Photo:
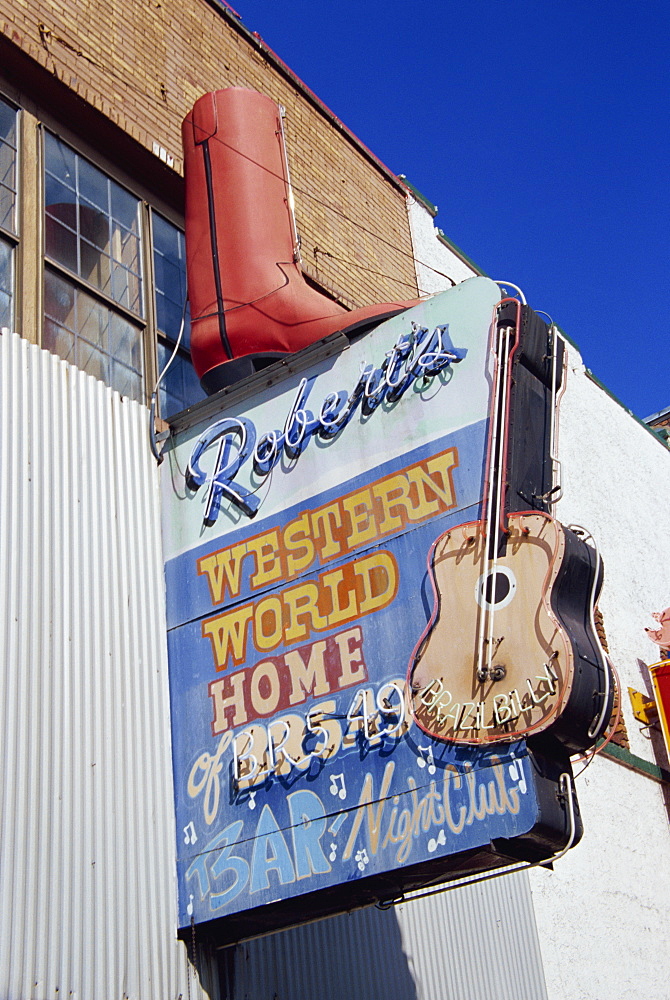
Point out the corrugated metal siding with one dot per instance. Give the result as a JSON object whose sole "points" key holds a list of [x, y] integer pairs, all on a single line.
{"points": [[476, 942], [472, 943], [87, 861]]}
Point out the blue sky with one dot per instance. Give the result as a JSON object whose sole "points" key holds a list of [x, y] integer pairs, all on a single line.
{"points": [[540, 130]]}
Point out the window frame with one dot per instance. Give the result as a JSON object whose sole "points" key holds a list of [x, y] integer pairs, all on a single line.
{"points": [[163, 338], [142, 322], [8, 236], [148, 204], [86, 239]]}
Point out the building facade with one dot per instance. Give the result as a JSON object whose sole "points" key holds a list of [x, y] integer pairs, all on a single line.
{"points": [[92, 295]]}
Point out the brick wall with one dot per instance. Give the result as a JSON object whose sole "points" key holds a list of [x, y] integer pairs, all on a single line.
{"points": [[143, 64]]}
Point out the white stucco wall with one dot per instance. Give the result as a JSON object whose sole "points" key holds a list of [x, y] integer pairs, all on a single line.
{"points": [[616, 478], [438, 267], [601, 914]]}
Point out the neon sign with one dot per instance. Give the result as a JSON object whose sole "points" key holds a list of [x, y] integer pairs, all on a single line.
{"points": [[419, 354], [298, 764]]}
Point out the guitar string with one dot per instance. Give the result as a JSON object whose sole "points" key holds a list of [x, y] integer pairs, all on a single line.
{"points": [[489, 489], [556, 472], [483, 620], [500, 473], [492, 535]]}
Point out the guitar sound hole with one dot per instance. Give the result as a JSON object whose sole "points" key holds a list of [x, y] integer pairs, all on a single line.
{"points": [[495, 588]]}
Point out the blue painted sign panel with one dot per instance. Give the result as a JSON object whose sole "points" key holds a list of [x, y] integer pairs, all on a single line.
{"points": [[297, 529]]}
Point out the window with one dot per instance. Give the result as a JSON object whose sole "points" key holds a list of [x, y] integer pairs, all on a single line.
{"points": [[180, 387], [8, 225], [94, 307]]}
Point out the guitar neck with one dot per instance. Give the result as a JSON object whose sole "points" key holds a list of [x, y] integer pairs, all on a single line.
{"points": [[505, 345], [528, 376], [536, 378]]}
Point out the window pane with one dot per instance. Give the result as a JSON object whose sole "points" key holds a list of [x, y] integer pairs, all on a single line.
{"points": [[168, 318], [93, 186], [58, 194], [61, 161], [7, 166], [170, 271], [59, 319], [93, 226], [90, 335], [59, 299], [180, 387], [127, 247], [92, 320], [93, 361], [8, 123], [125, 287], [58, 340], [124, 344], [124, 207], [127, 381], [6, 284], [104, 219], [7, 185], [60, 241]]}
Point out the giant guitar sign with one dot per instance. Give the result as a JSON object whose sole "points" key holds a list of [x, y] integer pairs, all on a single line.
{"points": [[351, 585], [511, 647]]}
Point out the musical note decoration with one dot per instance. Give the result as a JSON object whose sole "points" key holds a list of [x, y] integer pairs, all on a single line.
{"points": [[361, 858], [516, 774], [429, 762], [436, 842], [338, 786]]}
